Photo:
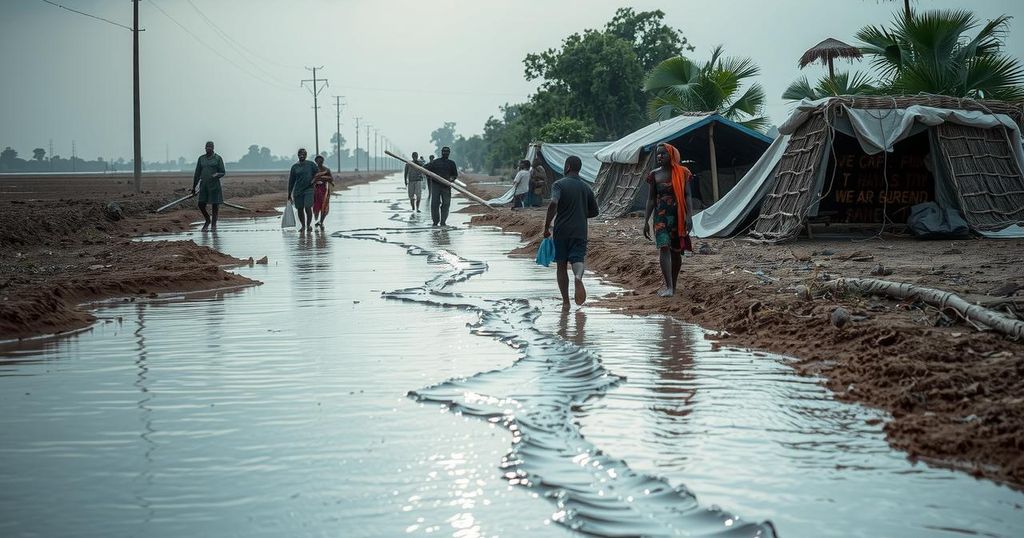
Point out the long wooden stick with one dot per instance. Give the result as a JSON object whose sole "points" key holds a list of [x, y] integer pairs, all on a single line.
{"points": [[443, 181], [942, 300]]}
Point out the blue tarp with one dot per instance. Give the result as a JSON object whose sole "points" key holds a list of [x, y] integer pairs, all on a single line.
{"points": [[627, 149]]}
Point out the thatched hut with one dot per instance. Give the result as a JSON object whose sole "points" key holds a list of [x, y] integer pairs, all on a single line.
{"points": [[868, 160]]}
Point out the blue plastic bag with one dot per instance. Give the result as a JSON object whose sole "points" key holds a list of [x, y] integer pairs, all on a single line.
{"points": [[546, 252]]}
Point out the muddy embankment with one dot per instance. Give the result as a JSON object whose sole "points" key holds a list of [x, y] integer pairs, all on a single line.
{"points": [[60, 245], [956, 393]]}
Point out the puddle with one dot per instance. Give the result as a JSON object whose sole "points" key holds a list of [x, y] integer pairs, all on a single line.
{"points": [[393, 379]]}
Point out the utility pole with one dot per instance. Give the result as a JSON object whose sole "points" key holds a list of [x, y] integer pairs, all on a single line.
{"points": [[135, 100], [51, 155], [315, 89], [367, 147], [357, 142], [73, 169], [337, 145], [376, 140]]}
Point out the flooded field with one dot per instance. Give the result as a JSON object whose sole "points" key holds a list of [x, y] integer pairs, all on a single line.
{"points": [[393, 379]]}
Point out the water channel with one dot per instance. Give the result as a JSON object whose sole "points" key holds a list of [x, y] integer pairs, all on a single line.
{"points": [[390, 379]]}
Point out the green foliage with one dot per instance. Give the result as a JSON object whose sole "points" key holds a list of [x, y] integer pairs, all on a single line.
{"points": [[844, 83], [470, 152], [39, 154], [678, 85], [933, 52], [652, 40], [566, 130], [443, 136]]}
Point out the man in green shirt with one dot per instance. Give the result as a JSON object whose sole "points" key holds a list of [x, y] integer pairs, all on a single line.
{"points": [[209, 170], [300, 190]]}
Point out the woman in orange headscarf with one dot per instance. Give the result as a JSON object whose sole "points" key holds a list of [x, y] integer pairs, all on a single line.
{"points": [[667, 203]]}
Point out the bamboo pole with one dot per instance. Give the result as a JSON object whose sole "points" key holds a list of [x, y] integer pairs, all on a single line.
{"points": [[1012, 328], [714, 161], [443, 181]]}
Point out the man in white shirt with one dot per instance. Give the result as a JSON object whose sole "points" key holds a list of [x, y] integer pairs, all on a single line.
{"points": [[521, 183]]}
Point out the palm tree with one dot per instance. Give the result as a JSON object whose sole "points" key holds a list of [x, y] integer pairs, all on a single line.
{"points": [[931, 52], [843, 83], [680, 85]]}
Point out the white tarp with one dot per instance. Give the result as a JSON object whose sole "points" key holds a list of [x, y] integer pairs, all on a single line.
{"points": [[555, 155], [875, 129], [731, 210], [504, 198], [627, 149]]}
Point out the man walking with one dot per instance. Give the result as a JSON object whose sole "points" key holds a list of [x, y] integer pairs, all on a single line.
{"points": [[572, 203], [209, 170], [300, 190], [521, 185], [414, 182], [441, 195]]}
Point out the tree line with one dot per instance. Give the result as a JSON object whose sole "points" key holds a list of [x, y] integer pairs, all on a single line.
{"points": [[604, 83]]}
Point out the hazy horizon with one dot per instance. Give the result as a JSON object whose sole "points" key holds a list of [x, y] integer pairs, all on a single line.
{"points": [[406, 67]]}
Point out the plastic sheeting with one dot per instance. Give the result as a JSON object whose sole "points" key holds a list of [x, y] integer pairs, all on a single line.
{"points": [[627, 149], [555, 155], [723, 217]]}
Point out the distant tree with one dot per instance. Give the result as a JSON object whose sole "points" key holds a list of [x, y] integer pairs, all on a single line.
{"points": [[652, 40], [566, 131], [443, 136], [8, 154], [39, 154], [679, 85]]}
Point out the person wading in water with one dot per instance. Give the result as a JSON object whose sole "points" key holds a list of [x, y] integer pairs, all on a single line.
{"points": [[668, 186], [414, 183], [322, 183], [209, 170], [300, 190], [441, 195], [572, 203]]}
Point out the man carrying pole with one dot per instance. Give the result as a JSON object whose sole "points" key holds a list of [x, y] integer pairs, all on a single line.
{"points": [[209, 170], [441, 194]]}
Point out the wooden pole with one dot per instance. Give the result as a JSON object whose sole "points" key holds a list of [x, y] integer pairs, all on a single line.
{"points": [[443, 181], [714, 161], [136, 107]]}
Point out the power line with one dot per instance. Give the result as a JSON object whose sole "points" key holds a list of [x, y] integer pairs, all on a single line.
{"points": [[215, 51], [232, 43], [129, 28], [236, 42]]}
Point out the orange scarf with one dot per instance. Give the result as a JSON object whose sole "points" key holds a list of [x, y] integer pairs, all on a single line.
{"points": [[680, 176]]}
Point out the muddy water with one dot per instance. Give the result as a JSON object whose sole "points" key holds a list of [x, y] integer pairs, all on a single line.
{"points": [[390, 379]]}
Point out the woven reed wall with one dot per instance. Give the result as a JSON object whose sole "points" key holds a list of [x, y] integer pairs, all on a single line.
{"points": [[988, 180]]}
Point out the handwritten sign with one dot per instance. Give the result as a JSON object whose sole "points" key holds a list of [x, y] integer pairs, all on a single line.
{"points": [[866, 187]]}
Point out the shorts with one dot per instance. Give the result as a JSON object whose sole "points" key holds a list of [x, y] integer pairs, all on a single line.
{"points": [[303, 200], [570, 249], [415, 187]]}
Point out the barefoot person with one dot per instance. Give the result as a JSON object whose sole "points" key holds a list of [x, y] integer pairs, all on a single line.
{"points": [[300, 190], [667, 203], [521, 185], [441, 195], [209, 170], [322, 183], [572, 203], [414, 183]]}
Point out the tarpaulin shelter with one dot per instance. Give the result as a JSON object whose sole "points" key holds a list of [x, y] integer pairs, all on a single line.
{"points": [[721, 151], [867, 160], [554, 156]]}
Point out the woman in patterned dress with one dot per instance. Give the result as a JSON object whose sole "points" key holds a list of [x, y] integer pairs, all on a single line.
{"points": [[322, 182], [667, 204]]}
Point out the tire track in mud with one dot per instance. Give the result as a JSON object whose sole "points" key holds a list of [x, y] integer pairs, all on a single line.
{"points": [[535, 399]]}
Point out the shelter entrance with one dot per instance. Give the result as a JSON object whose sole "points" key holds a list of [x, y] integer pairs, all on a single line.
{"points": [[858, 188]]}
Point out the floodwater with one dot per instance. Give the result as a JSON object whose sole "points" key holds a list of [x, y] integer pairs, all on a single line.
{"points": [[391, 379]]}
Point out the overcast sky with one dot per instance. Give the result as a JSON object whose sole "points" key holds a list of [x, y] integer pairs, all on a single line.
{"points": [[405, 66]]}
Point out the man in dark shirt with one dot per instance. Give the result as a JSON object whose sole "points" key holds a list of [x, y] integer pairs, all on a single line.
{"points": [[572, 203], [441, 195], [206, 182]]}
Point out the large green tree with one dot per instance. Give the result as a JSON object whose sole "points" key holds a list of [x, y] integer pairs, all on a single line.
{"points": [[566, 131], [679, 85], [844, 83], [935, 52], [443, 136]]}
